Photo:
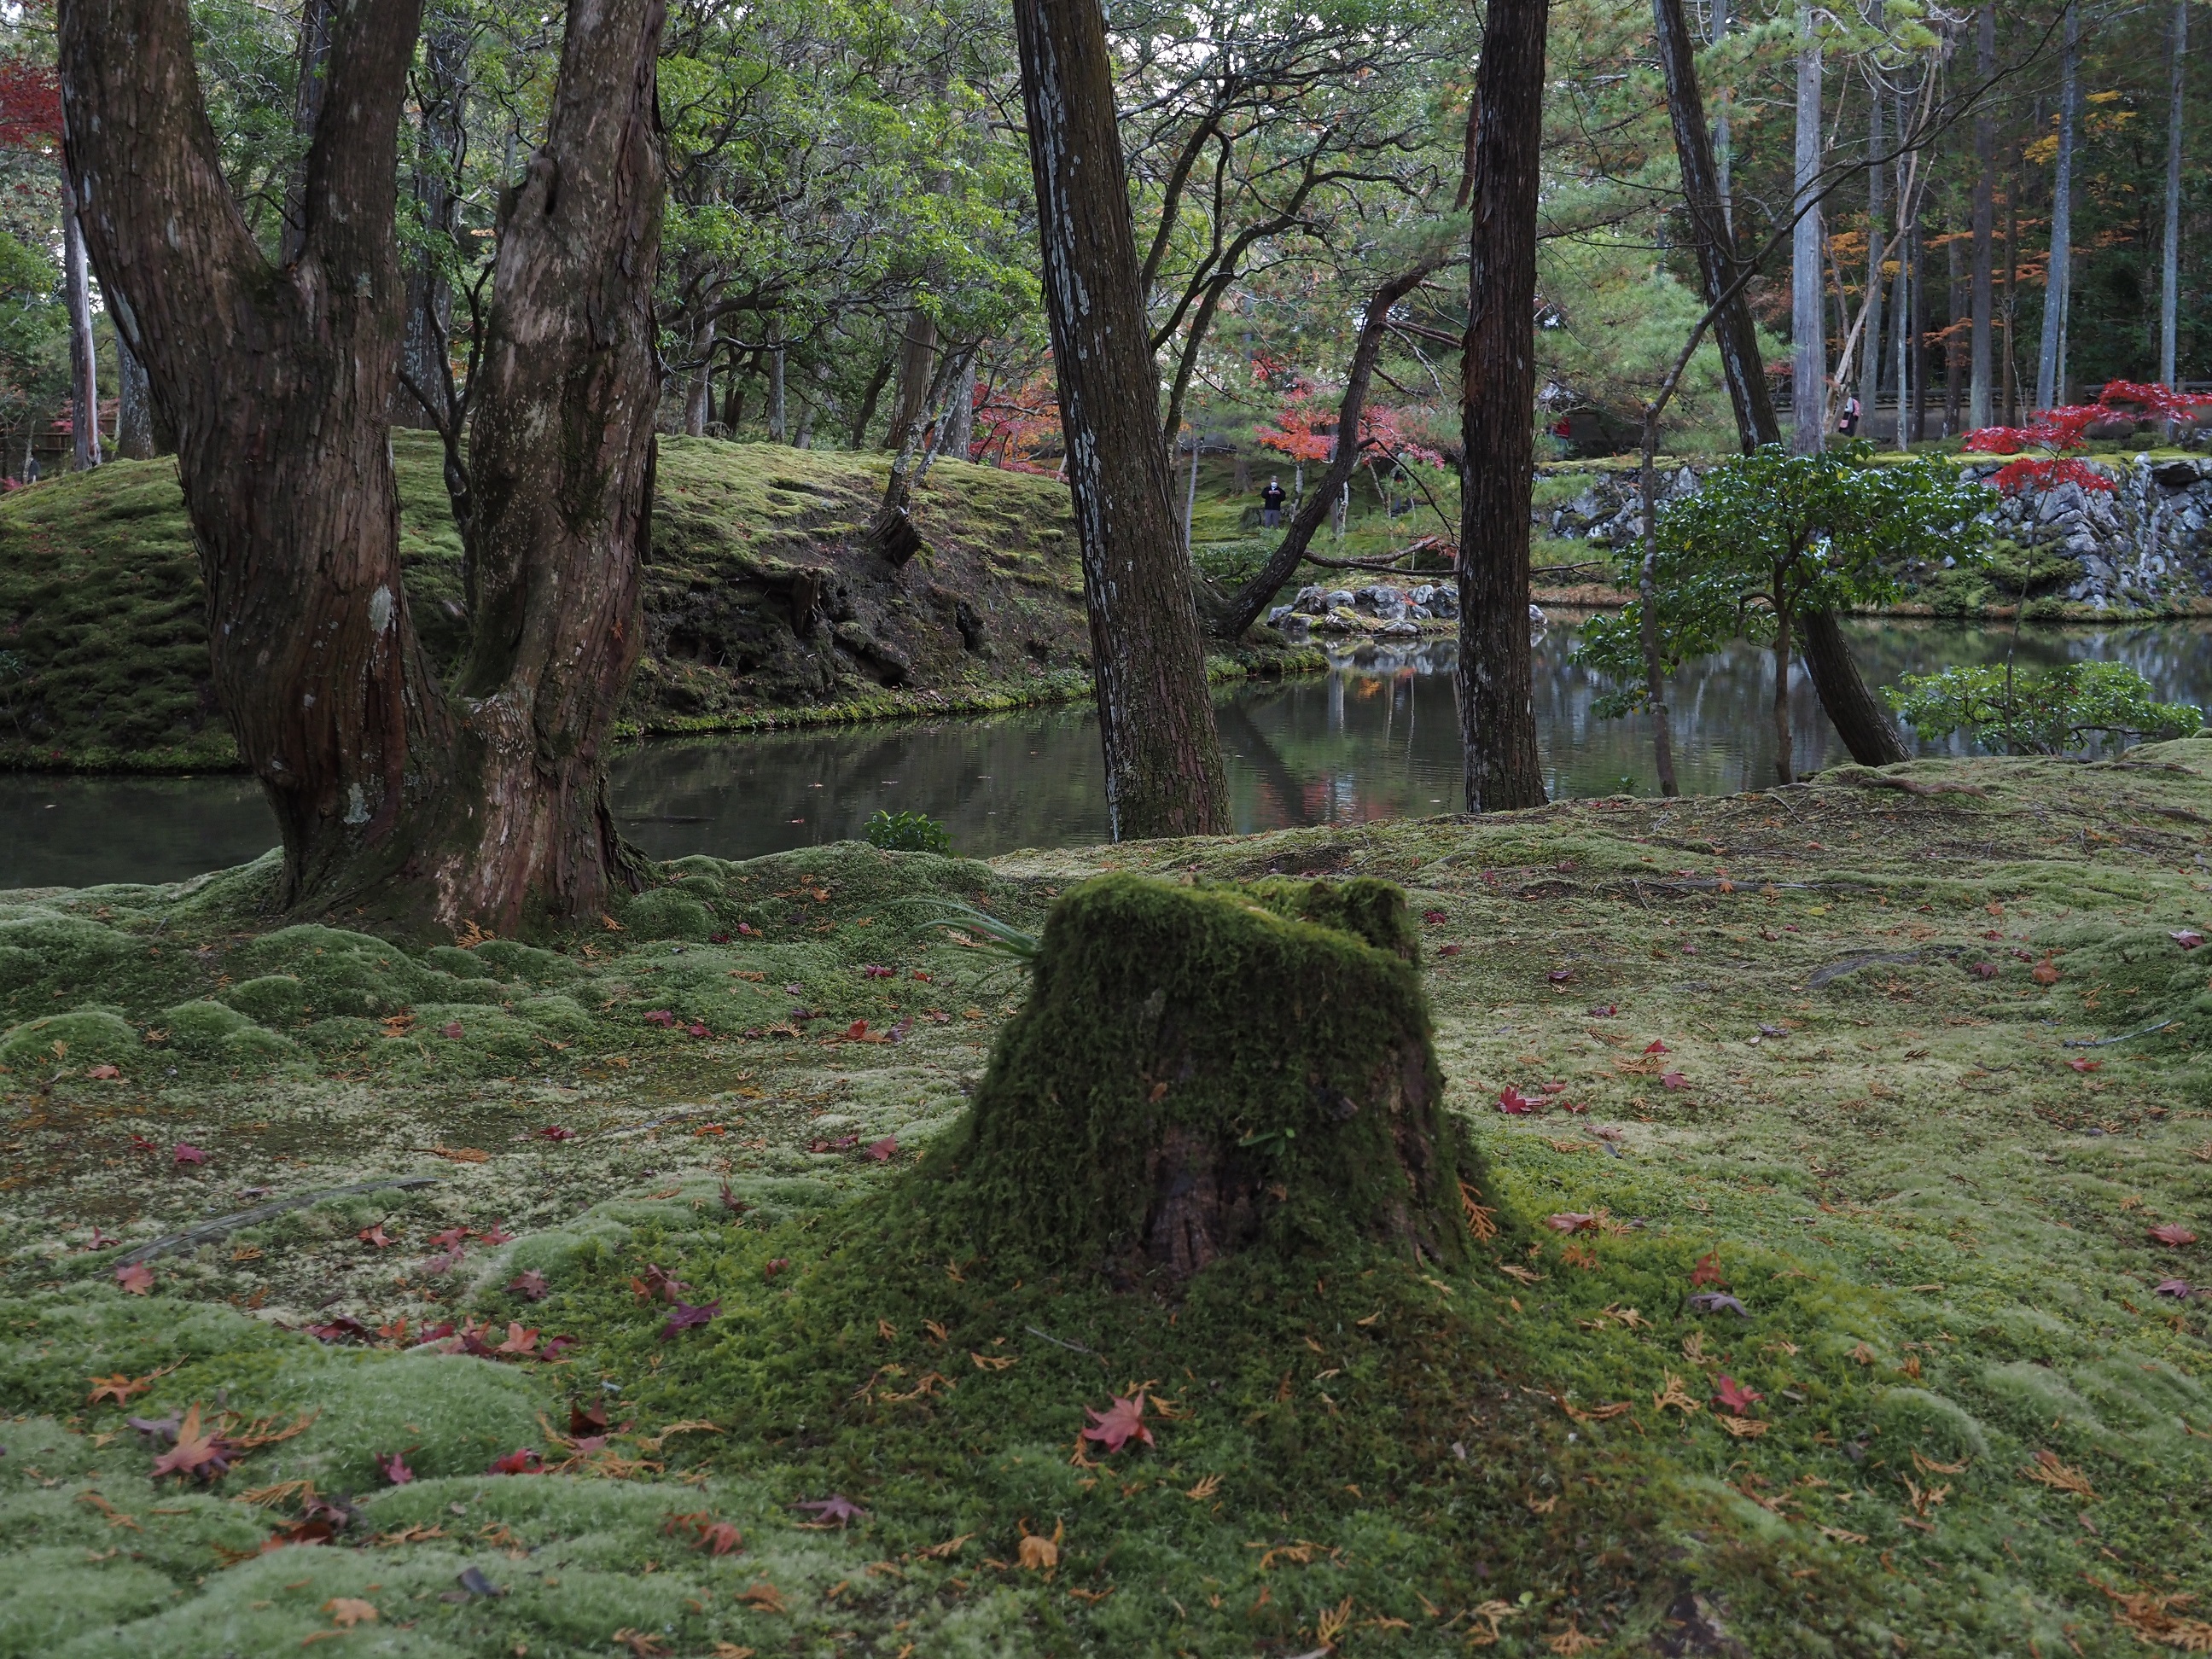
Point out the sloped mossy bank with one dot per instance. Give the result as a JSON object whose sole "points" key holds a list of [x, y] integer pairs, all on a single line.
{"points": [[1979, 1429], [760, 611]]}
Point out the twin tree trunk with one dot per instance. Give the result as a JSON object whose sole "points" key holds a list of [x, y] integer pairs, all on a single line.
{"points": [[1163, 771], [484, 806], [1498, 720]]}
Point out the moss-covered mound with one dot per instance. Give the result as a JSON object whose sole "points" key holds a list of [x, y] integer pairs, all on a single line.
{"points": [[1846, 1297], [1197, 1072], [759, 610]]}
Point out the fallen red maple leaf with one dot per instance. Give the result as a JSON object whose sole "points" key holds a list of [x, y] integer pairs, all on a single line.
{"points": [[774, 1266], [105, 1074], [521, 1461], [136, 1278], [184, 1153], [520, 1342], [2187, 937], [451, 1031], [496, 1234], [661, 1016], [720, 1539], [684, 1316], [698, 1030], [835, 1507], [2177, 1288], [856, 1031], [884, 1150], [1655, 1047], [530, 1285], [2171, 1232], [1673, 1080], [202, 1455], [1432, 917], [2085, 1065], [1707, 1272], [345, 1327], [394, 1468], [1116, 1426], [1732, 1396], [1448, 950], [554, 1131], [1571, 1221], [376, 1235], [1512, 1100], [451, 1238]]}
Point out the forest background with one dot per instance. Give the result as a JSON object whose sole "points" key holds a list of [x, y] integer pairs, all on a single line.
{"points": [[850, 253]]}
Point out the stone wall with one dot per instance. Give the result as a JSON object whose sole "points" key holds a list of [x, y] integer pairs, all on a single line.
{"points": [[2147, 542]]}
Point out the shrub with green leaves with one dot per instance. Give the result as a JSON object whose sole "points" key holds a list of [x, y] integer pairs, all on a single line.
{"points": [[2040, 711], [1763, 539], [907, 832]]}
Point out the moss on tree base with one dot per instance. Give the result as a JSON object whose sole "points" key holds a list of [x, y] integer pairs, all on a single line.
{"points": [[1200, 1072]]}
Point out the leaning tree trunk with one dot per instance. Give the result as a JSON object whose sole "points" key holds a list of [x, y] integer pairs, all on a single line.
{"points": [[1244, 609], [561, 463], [1733, 331], [1859, 719], [1498, 720], [1198, 1074], [278, 380], [1163, 772]]}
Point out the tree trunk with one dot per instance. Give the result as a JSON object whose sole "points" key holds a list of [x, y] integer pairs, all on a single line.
{"points": [[1784, 741], [279, 383], [1981, 403], [1502, 769], [1916, 248], [312, 79], [488, 808], [1952, 354], [561, 462], [429, 317], [1866, 727], [1808, 384], [1877, 205], [857, 439], [134, 414], [1723, 147], [1733, 331], [917, 365], [1244, 609], [2169, 267], [1647, 599], [84, 365], [1163, 771], [960, 415], [2050, 359], [698, 388], [1190, 1079]]}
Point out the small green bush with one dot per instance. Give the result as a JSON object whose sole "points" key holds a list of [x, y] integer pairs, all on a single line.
{"points": [[2040, 711], [907, 832]]}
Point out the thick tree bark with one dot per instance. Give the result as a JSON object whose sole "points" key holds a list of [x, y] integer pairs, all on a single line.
{"points": [[698, 389], [1733, 331], [84, 364], [560, 464], [2051, 358], [134, 412], [279, 383], [1163, 771], [1980, 402], [917, 365], [1785, 742], [1809, 356], [1497, 722], [1244, 608]]}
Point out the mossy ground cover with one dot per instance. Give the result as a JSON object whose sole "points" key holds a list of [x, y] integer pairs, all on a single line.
{"points": [[1865, 1125]]}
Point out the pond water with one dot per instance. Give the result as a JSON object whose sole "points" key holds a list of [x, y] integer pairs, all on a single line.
{"points": [[1375, 737]]}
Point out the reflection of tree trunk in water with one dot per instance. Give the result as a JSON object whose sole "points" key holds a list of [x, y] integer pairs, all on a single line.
{"points": [[1238, 729], [1782, 742]]}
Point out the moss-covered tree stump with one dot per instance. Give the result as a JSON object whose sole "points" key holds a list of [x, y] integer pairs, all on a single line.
{"points": [[1200, 1072]]}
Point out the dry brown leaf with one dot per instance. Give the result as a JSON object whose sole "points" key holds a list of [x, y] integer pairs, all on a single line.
{"points": [[2048, 1471], [2151, 1619], [991, 1363], [1331, 1622], [1929, 1466], [1039, 1553], [764, 1596], [1205, 1489], [1572, 1641], [347, 1610], [1594, 1413], [1840, 1536], [1513, 1271], [948, 1549], [1490, 1613], [1743, 1428], [1480, 1221], [1672, 1395]]}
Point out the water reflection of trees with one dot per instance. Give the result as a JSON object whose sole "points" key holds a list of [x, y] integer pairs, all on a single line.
{"points": [[1377, 737]]}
